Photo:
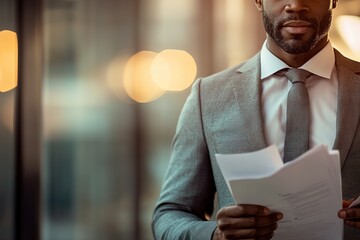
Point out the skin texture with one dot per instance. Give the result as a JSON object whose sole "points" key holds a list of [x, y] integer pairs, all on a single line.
{"points": [[351, 216], [296, 31], [291, 47], [246, 222]]}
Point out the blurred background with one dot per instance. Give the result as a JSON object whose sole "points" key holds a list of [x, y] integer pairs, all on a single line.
{"points": [[115, 76]]}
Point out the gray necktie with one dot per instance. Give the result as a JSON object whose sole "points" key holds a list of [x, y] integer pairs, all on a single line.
{"points": [[297, 115]]}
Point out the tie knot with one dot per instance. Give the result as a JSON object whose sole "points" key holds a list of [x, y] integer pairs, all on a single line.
{"points": [[297, 75]]}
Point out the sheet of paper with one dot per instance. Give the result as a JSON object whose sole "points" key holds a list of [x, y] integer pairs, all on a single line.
{"points": [[250, 165], [355, 203], [306, 190]]}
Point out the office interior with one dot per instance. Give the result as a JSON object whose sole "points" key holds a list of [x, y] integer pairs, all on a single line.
{"points": [[87, 119]]}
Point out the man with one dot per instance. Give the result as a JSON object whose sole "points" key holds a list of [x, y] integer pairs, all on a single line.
{"points": [[243, 109]]}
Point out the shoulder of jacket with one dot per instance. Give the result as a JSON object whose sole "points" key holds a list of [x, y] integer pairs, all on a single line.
{"points": [[345, 62]]}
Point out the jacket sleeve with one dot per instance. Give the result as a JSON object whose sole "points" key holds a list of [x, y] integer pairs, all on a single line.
{"points": [[187, 196]]}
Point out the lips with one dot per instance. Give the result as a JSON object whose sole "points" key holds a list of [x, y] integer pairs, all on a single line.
{"points": [[297, 23], [297, 26]]}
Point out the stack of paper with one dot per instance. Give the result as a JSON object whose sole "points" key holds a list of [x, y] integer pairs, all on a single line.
{"points": [[306, 190]]}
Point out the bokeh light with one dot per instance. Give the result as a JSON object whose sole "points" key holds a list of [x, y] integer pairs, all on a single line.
{"points": [[8, 60], [349, 29], [174, 70], [137, 81], [114, 73]]}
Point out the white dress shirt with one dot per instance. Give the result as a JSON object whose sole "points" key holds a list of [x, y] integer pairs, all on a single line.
{"points": [[322, 87]]}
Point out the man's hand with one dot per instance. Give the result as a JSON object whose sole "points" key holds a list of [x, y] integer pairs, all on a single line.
{"points": [[246, 222], [351, 216]]}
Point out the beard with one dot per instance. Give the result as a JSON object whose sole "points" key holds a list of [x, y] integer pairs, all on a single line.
{"points": [[296, 45]]}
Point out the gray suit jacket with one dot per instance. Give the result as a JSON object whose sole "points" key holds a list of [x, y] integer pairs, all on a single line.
{"points": [[223, 115]]}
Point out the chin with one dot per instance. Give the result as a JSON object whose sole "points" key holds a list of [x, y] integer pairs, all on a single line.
{"points": [[296, 46]]}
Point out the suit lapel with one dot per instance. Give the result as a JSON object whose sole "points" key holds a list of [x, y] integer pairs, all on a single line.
{"points": [[247, 91], [348, 113]]}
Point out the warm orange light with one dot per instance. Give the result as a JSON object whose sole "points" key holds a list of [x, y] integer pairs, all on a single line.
{"points": [[138, 82], [349, 28], [114, 73], [174, 70], [8, 60]]}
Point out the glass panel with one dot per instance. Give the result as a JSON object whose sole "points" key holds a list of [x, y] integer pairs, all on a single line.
{"points": [[7, 107], [89, 170], [105, 154]]}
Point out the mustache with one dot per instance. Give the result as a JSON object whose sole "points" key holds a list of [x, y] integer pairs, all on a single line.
{"points": [[296, 17]]}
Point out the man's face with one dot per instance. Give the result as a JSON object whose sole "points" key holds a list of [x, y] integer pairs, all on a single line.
{"points": [[298, 29]]}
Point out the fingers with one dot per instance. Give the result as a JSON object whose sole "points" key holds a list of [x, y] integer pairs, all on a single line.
{"points": [[219, 235], [349, 213], [246, 216], [355, 224], [246, 222], [346, 203], [250, 233], [351, 216], [243, 210]]}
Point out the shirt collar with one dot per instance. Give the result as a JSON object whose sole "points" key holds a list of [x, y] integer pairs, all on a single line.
{"points": [[321, 64]]}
